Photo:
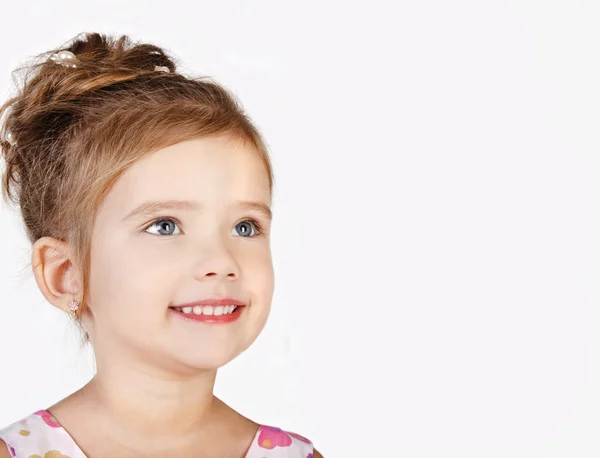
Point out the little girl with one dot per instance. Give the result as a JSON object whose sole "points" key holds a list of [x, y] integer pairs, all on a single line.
{"points": [[137, 187]]}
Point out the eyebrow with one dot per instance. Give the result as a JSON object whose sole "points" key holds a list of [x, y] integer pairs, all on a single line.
{"points": [[148, 208]]}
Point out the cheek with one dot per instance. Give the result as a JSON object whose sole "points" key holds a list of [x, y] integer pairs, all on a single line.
{"points": [[129, 278], [257, 279], [265, 285], [259, 273]]}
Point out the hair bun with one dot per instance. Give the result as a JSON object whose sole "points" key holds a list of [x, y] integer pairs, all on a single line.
{"points": [[55, 86]]}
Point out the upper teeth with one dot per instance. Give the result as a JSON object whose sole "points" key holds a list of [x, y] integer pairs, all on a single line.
{"points": [[208, 309]]}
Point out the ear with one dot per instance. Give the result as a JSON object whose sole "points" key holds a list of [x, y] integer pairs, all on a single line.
{"points": [[55, 272]]}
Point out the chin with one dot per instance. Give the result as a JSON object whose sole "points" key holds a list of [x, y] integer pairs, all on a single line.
{"points": [[198, 359]]}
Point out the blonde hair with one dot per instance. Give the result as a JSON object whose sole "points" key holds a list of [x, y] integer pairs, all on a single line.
{"points": [[74, 131]]}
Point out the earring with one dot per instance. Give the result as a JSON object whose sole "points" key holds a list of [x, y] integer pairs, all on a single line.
{"points": [[74, 306]]}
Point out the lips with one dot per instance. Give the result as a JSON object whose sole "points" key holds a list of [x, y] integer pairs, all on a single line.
{"points": [[213, 314], [212, 310]]}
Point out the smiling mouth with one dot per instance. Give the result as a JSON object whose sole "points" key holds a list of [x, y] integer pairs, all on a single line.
{"points": [[212, 314], [207, 310]]}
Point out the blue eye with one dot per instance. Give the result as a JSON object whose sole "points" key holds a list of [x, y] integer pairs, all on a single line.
{"points": [[247, 228], [165, 223]]}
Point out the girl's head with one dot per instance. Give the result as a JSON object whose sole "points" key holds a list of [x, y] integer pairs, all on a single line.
{"points": [[140, 190]]}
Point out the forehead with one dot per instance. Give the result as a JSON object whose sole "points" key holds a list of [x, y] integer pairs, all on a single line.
{"points": [[210, 170]]}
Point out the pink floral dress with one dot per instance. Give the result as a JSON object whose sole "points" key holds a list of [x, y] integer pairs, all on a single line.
{"points": [[41, 436]]}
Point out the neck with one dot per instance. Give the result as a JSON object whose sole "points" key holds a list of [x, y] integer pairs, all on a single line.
{"points": [[142, 403]]}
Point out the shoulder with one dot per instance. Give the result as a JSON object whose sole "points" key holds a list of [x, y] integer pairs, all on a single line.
{"points": [[4, 453], [316, 454]]}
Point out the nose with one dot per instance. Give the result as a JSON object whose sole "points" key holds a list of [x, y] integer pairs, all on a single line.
{"points": [[217, 261]]}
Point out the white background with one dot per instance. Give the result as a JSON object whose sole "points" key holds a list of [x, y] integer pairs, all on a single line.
{"points": [[436, 219]]}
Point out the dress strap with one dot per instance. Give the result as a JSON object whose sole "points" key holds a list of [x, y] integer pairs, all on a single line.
{"points": [[39, 434], [273, 442]]}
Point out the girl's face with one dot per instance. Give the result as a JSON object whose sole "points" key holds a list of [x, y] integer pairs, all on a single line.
{"points": [[209, 247]]}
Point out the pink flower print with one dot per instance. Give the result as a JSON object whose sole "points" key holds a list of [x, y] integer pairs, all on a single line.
{"points": [[309, 455], [271, 437], [48, 419], [11, 450], [301, 439]]}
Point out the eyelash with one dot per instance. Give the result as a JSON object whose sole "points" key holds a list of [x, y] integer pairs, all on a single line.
{"points": [[257, 226]]}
